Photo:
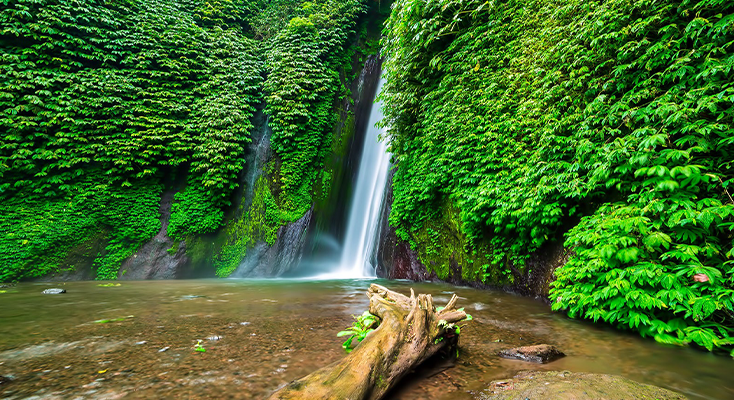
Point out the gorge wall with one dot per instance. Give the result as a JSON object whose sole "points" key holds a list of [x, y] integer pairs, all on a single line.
{"points": [[199, 146], [588, 140]]}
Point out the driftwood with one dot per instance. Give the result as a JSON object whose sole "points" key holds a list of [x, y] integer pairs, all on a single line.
{"points": [[410, 332]]}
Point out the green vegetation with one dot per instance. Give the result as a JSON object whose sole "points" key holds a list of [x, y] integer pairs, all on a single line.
{"points": [[608, 121], [453, 327], [37, 233], [303, 63], [363, 325], [102, 105]]}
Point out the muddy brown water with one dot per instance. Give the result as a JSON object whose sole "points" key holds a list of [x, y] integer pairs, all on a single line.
{"points": [[259, 335]]}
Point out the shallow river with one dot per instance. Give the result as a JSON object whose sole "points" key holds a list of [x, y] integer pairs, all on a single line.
{"points": [[259, 335]]}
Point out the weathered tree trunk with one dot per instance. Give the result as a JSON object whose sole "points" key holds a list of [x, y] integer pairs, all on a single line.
{"points": [[411, 331]]}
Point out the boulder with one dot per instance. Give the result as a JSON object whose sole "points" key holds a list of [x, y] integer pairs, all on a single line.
{"points": [[576, 386], [541, 354], [54, 291]]}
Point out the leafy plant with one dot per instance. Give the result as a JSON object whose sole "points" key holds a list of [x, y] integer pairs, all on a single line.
{"points": [[359, 330], [199, 347], [455, 327]]}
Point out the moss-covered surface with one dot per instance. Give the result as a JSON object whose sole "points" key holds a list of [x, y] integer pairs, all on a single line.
{"points": [[446, 251], [569, 385], [258, 223]]}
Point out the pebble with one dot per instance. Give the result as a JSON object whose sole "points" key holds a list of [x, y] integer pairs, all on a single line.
{"points": [[214, 338], [54, 291], [164, 349], [244, 323], [142, 342]]}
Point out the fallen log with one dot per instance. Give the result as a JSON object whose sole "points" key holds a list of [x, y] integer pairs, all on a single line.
{"points": [[411, 331]]}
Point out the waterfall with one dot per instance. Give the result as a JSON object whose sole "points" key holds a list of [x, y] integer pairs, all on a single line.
{"points": [[364, 211]]}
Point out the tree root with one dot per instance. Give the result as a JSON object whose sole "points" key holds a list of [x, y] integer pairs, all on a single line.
{"points": [[410, 332]]}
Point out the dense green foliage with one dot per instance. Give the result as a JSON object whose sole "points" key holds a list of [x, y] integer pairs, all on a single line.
{"points": [[112, 99], [530, 116], [303, 62], [37, 233], [129, 88]]}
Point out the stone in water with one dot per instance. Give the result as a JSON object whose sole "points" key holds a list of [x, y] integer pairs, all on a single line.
{"points": [[541, 354]]}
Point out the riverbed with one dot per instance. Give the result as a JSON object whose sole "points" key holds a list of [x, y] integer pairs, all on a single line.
{"points": [[138, 340]]}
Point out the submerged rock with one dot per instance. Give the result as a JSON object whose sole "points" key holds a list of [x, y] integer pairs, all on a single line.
{"points": [[541, 354], [54, 291], [4, 379], [570, 385]]}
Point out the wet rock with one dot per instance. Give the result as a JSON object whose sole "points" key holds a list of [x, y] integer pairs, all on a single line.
{"points": [[54, 291], [569, 385], [541, 354], [283, 256], [4, 380], [6, 285], [161, 257]]}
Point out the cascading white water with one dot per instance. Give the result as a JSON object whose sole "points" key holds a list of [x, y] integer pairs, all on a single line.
{"points": [[364, 211]]}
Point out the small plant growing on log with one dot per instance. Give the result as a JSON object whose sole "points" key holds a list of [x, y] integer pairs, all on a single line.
{"points": [[363, 325], [451, 326]]}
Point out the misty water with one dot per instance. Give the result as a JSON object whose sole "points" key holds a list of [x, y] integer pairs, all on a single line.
{"points": [[260, 334]]}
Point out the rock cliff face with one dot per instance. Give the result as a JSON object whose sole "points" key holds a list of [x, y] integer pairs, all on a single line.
{"points": [[395, 258], [159, 258], [282, 257]]}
